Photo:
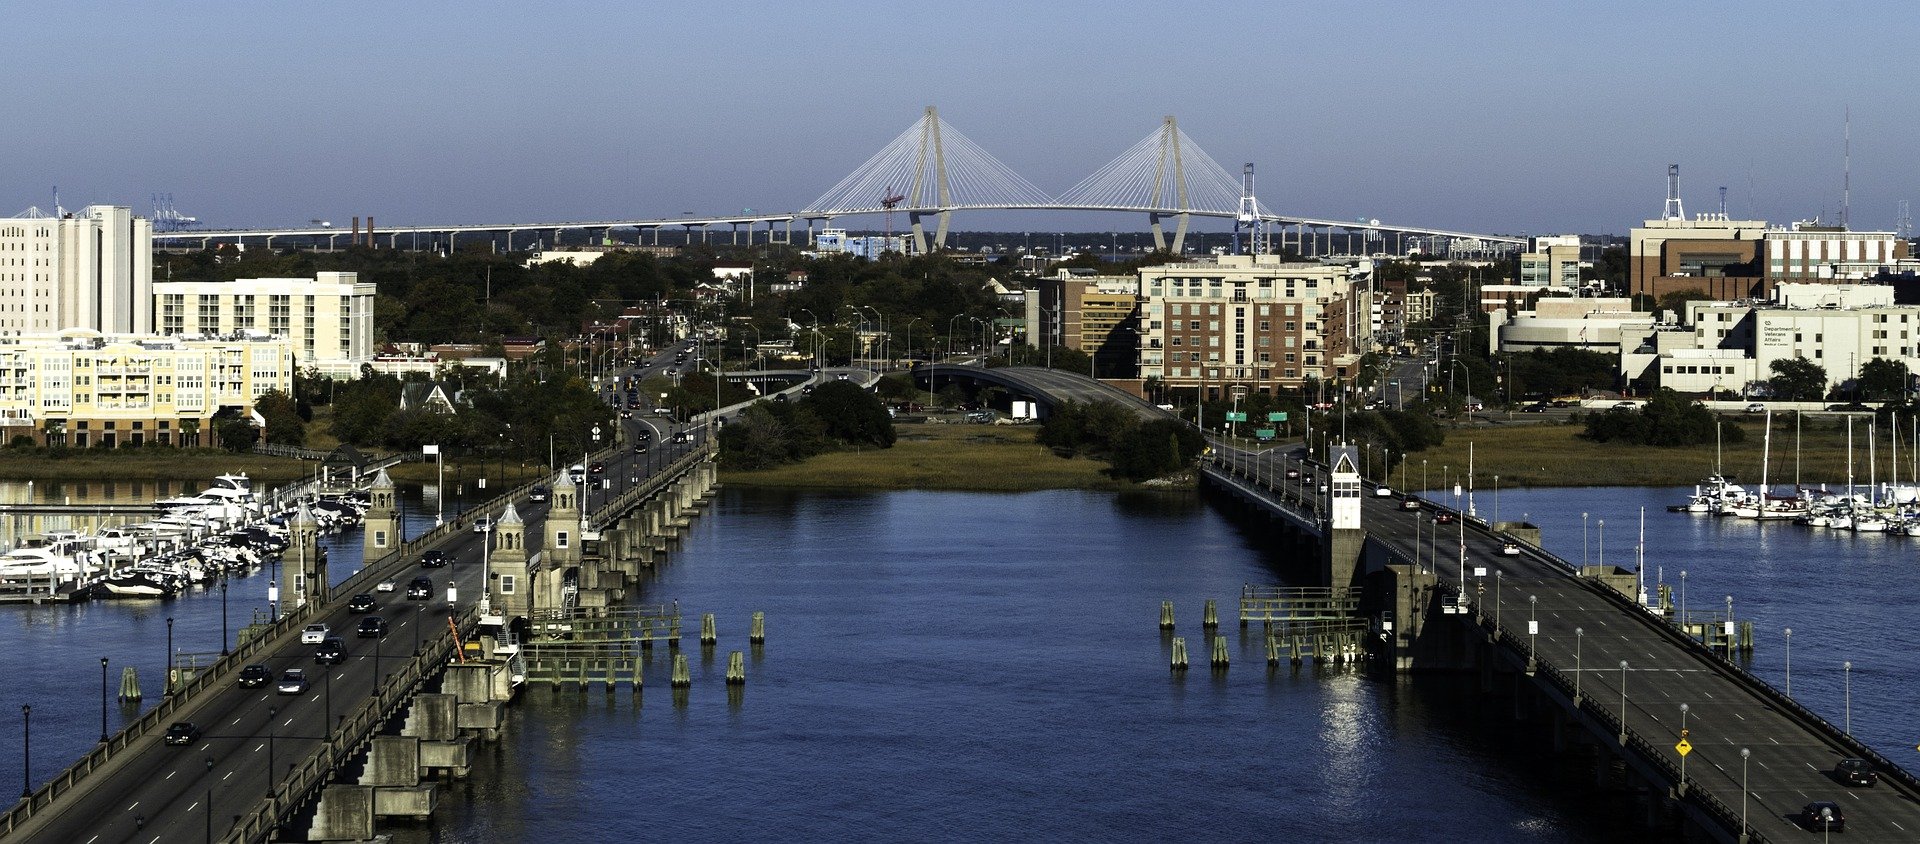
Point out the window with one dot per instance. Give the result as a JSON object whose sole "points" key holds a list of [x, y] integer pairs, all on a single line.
{"points": [[560, 539], [507, 584], [379, 539]]}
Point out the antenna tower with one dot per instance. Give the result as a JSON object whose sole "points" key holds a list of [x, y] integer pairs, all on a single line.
{"points": [[1673, 211], [1846, 169]]}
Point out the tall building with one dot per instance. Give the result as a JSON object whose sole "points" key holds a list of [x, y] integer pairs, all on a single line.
{"points": [[328, 318], [1731, 346], [1245, 323], [1080, 310], [90, 269], [1552, 262], [1745, 259], [83, 388]]}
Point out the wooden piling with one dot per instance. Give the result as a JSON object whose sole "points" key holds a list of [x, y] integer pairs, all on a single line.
{"points": [[129, 685], [1273, 648], [1219, 651], [1210, 617], [736, 669], [1166, 615], [682, 676], [758, 633], [707, 634], [1179, 661]]}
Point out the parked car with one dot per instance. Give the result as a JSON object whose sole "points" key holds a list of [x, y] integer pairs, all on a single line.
{"points": [[333, 651], [1855, 772], [360, 603], [182, 733], [313, 634], [372, 627], [255, 676], [293, 681], [435, 558], [420, 589], [1822, 816]]}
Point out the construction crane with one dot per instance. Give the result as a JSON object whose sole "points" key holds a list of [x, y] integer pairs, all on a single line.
{"points": [[888, 200]]}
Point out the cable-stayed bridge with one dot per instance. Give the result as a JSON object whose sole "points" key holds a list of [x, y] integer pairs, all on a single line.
{"points": [[932, 170]]}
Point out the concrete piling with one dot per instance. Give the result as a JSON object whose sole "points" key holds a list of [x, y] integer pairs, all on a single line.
{"points": [[1273, 648], [758, 632], [1179, 661], [682, 676], [707, 634], [129, 685], [1166, 615], [1220, 652], [1210, 618], [736, 668]]}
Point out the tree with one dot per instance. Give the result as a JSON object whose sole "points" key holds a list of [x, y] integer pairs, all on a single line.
{"points": [[1883, 380], [284, 425], [852, 415], [238, 434], [1798, 379]]}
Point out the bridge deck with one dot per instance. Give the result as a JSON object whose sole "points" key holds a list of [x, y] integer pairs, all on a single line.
{"points": [[1588, 632]]}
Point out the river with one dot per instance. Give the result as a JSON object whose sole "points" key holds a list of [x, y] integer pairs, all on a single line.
{"points": [[948, 666]]}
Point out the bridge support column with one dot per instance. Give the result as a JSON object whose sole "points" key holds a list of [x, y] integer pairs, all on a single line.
{"points": [[344, 813]]}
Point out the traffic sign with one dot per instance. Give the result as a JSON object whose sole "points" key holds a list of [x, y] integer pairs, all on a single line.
{"points": [[1264, 433], [1684, 747], [1277, 416], [1236, 416]]}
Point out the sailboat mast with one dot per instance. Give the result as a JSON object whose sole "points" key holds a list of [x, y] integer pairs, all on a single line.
{"points": [[1766, 459], [1873, 476], [1849, 460]]}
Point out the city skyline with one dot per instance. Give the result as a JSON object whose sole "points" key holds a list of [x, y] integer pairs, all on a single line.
{"points": [[1501, 118]]}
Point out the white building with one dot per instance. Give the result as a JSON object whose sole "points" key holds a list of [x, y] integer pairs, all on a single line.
{"points": [[84, 388], [1591, 323], [870, 247], [1732, 345], [90, 269], [329, 318]]}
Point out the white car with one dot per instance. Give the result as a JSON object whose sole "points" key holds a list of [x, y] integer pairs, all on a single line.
{"points": [[483, 524], [1382, 492], [384, 586], [1511, 549], [314, 634]]}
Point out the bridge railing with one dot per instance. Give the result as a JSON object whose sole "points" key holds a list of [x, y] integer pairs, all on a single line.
{"points": [[599, 518]]}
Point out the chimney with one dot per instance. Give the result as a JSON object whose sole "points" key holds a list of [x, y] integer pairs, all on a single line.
{"points": [[369, 231], [355, 239]]}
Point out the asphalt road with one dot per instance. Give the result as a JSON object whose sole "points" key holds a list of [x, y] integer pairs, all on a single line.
{"points": [[155, 793], [1790, 761]]}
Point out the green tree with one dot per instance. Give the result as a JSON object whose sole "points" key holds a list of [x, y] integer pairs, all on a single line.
{"points": [[1798, 379], [238, 434], [1883, 380], [852, 415], [284, 425]]}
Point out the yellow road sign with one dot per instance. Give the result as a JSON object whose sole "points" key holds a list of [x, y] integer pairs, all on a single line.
{"points": [[1684, 747]]}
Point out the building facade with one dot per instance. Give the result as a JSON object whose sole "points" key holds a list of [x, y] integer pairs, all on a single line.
{"points": [[328, 318], [1731, 346], [91, 269], [83, 388], [1744, 259], [1077, 309], [1253, 323], [1552, 262]]}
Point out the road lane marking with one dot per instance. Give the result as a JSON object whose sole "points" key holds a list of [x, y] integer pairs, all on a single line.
{"points": [[170, 774], [229, 774], [236, 723]]}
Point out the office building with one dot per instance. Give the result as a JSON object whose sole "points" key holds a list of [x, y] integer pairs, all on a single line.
{"points": [[88, 269], [1081, 310], [328, 318]]}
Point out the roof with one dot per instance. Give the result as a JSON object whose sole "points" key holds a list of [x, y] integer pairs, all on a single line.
{"points": [[511, 516]]}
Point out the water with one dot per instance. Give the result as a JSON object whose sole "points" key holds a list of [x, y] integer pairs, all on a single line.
{"points": [[946, 666]]}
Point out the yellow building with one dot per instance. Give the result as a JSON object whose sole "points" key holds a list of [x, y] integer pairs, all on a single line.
{"points": [[328, 318], [83, 388]]}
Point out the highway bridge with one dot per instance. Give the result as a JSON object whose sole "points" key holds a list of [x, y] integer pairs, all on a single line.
{"points": [[1578, 649]]}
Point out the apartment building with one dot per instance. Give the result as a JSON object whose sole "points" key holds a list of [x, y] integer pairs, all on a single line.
{"points": [[1081, 310], [328, 318], [1245, 323], [87, 269]]}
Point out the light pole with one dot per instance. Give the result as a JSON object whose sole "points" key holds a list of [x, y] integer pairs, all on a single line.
{"points": [[1533, 628], [1496, 501], [1683, 603], [209, 809], [1583, 540], [1729, 628], [26, 751], [1846, 669], [1683, 756], [1579, 634], [1623, 702], [1602, 526], [168, 678], [1789, 662], [1744, 753], [223, 615], [103, 700], [273, 712]]}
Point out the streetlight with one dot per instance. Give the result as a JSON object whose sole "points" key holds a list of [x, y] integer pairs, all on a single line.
{"points": [[223, 615], [26, 751], [1603, 542], [1789, 662], [1846, 669], [1623, 702], [103, 700], [1683, 756], [1579, 634], [272, 713], [209, 809], [1583, 540], [1496, 500], [1683, 603], [1744, 753], [168, 679], [1729, 628], [1533, 628]]}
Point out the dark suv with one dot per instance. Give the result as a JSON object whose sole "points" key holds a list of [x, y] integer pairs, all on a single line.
{"points": [[255, 676], [1855, 772], [435, 559], [1822, 816], [372, 627], [420, 589], [360, 603], [331, 651]]}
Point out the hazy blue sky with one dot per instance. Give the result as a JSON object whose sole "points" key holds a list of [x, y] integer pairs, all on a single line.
{"points": [[1502, 117]]}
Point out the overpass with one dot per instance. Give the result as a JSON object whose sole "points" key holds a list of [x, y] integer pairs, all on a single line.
{"points": [[1578, 654], [1050, 388]]}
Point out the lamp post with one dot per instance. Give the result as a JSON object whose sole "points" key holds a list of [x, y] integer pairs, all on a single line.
{"points": [[1602, 525], [1496, 501], [1533, 627], [1729, 628], [1846, 669], [1744, 753], [1579, 634], [1623, 702], [209, 810], [1583, 540], [168, 679], [273, 712], [1683, 756], [224, 650], [103, 700], [26, 751], [1683, 603], [1789, 662]]}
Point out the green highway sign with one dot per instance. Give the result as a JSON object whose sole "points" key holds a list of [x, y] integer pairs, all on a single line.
{"points": [[1236, 416], [1276, 417], [1264, 433]]}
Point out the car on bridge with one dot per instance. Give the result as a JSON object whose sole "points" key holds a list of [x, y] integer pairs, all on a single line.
{"points": [[420, 589], [361, 603], [1855, 772], [292, 682], [333, 651], [539, 493], [1410, 503], [1511, 549], [1822, 816], [255, 676], [372, 627], [1444, 517], [435, 558], [314, 634], [182, 733], [384, 586]]}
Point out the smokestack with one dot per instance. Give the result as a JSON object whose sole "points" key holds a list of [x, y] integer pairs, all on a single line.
{"points": [[355, 238], [369, 231]]}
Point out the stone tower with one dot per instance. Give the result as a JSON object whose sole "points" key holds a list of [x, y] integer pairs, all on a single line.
{"points": [[310, 562], [382, 521], [507, 575]]}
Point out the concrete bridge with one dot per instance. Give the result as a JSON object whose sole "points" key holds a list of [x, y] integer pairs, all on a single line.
{"points": [[1575, 650]]}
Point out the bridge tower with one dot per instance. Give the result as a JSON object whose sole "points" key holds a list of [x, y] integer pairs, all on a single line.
{"points": [[1170, 160], [310, 573], [381, 523], [1346, 538], [562, 540], [923, 196], [507, 566]]}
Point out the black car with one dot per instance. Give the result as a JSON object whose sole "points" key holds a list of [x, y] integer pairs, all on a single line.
{"points": [[596, 468], [372, 627], [255, 676], [331, 651], [1855, 772], [420, 589], [435, 559], [182, 733], [539, 493], [640, 447], [682, 437], [1536, 407], [1822, 816], [360, 603]]}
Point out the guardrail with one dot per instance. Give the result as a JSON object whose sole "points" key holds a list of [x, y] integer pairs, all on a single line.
{"points": [[598, 519]]}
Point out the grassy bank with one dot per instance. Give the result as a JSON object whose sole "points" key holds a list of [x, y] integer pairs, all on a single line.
{"points": [[147, 464], [986, 458], [1555, 455]]}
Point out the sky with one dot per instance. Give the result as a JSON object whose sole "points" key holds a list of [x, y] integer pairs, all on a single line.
{"points": [[1513, 118]]}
